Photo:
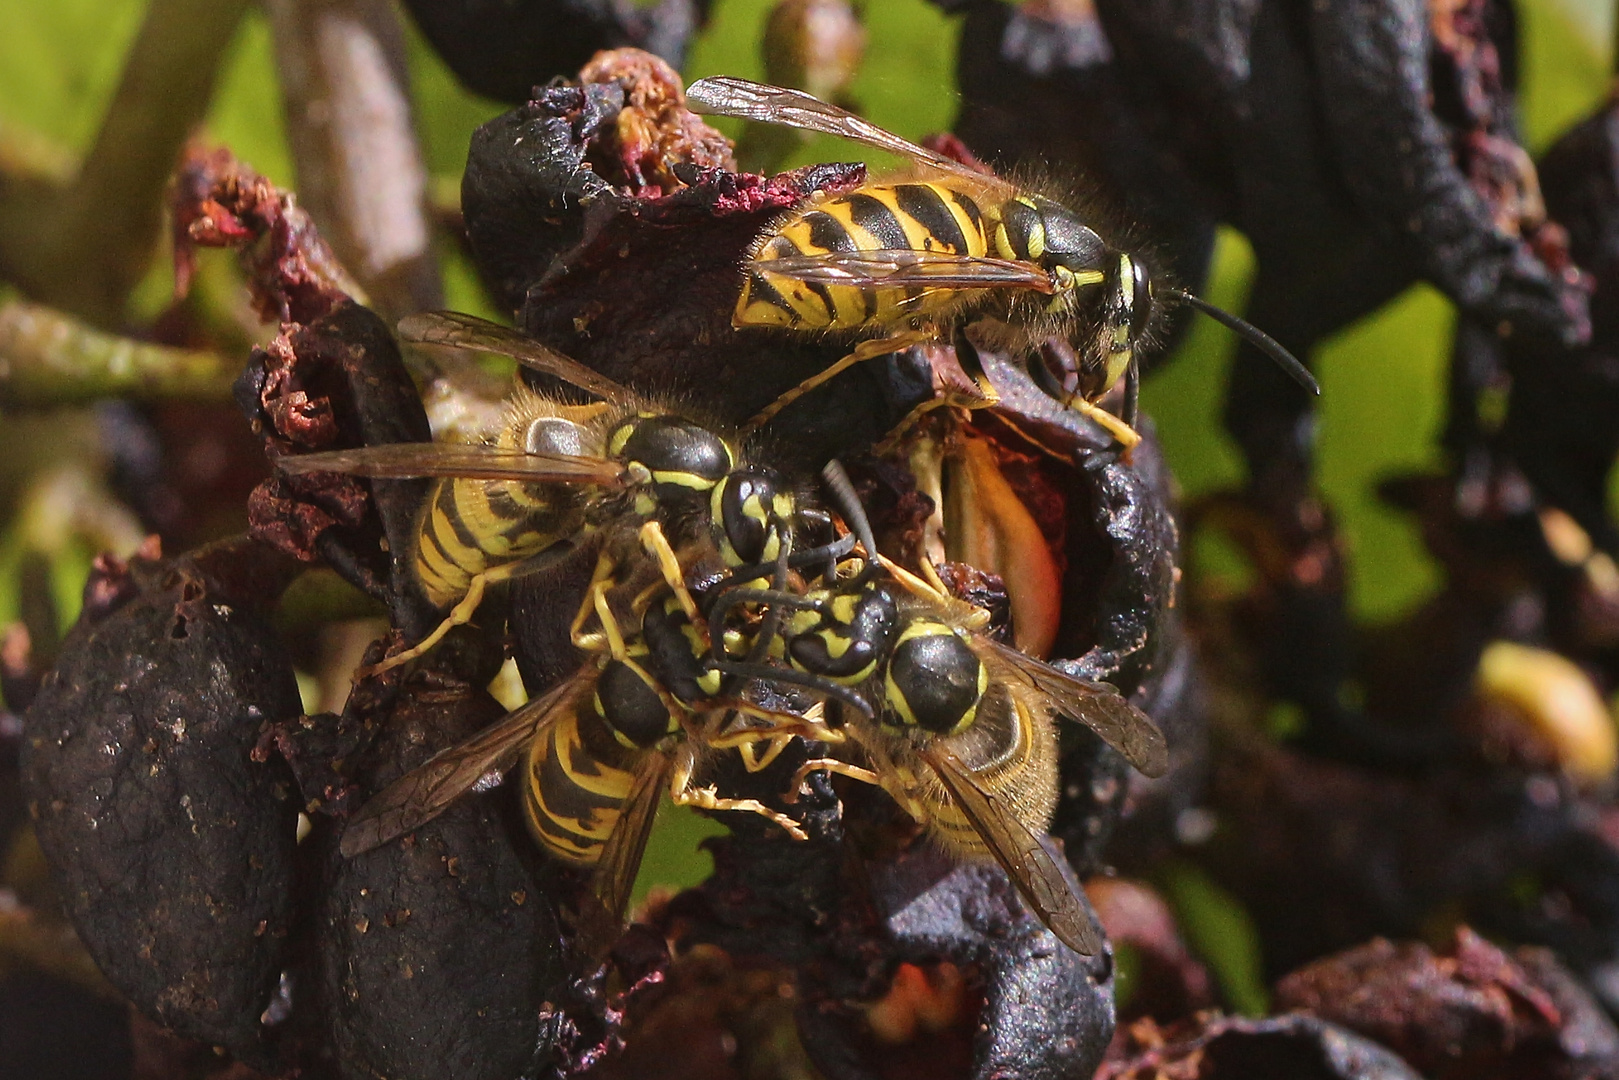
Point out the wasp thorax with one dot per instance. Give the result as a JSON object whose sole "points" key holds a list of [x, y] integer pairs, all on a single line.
{"points": [[554, 435], [750, 508], [847, 640], [1048, 233], [675, 650], [935, 680], [684, 460], [627, 699]]}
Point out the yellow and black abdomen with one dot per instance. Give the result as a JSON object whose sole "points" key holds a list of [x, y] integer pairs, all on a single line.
{"points": [[874, 217], [578, 779], [1011, 753], [471, 526]]}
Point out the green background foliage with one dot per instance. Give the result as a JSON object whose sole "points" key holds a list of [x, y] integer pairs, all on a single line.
{"points": [[1381, 408]]}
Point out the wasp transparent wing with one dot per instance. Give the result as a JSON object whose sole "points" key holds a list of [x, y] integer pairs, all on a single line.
{"points": [[463, 461], [1025, 859], [1096, 705], [428, 790], [614, 877], [452, 329], [897, 268], [726, 96]]}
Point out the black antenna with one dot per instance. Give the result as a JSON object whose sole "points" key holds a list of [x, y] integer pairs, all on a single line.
{"points": [[1254, 336], [843, 493], [793, 677]]}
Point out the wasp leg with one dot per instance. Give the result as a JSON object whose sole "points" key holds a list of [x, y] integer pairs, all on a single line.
{"points": [[1132, 392], [462, 612], [1126, 435], [595, 602], [684, 793], [864, 351], [978, 392], [832, 765], [657, 546], [747, 743]]}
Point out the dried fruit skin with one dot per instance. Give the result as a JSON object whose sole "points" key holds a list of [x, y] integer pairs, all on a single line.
{"points": [[435, 953], [171, 847], [504, 50]]}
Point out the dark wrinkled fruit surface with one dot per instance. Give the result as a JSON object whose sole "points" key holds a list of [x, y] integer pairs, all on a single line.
{"points": [[171, 847], [437, 951]]}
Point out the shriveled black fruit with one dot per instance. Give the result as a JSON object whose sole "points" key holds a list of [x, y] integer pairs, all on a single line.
{"points": [[437, 951], [171, 847]]}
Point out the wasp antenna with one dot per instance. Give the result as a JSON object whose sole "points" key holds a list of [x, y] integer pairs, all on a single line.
{"points": [[793, 677], [1254, 336], [837, 479]]}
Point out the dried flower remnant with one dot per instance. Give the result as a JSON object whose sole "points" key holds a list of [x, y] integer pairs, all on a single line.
{"points": [[217, 201], [1469, 1010], [653, 128], [1214, 1047]]}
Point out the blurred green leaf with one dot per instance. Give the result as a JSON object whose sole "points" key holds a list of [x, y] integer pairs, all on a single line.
{"points": [[1219, 931]]}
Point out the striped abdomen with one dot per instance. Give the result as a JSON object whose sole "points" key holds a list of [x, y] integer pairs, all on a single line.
{"points": [[875, 217], [578, 779], [470, 526], [1013, 756]]}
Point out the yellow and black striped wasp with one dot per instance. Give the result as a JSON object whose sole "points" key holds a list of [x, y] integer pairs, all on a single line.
{"points": [[554, 474], [641, 716], [908, 260], [956, 726]]}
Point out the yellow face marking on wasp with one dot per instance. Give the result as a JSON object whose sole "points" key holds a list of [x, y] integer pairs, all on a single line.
{"points": [[801, 622], [1037, 240], [836, 644]]}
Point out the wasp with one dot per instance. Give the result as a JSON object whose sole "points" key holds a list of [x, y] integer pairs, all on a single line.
{"points": [[554, 474], [913, 258], [593, 753], [956, 726]]}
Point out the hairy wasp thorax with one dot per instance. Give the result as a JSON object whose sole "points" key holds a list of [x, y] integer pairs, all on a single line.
{"points": [[684, 460], [935, 681]]}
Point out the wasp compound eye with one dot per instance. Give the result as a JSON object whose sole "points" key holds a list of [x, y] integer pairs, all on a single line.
{"points": [[554, 435], [935, 680], [751, 508], [685, 460], [1140, 302], [631, 705]]}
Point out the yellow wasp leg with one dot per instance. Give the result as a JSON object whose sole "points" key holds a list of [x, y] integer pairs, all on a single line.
{"points": [[601, 580], [657, 545], [864, 351], [831, 765], [684, 793], [460, 614], [1124, 433]]}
